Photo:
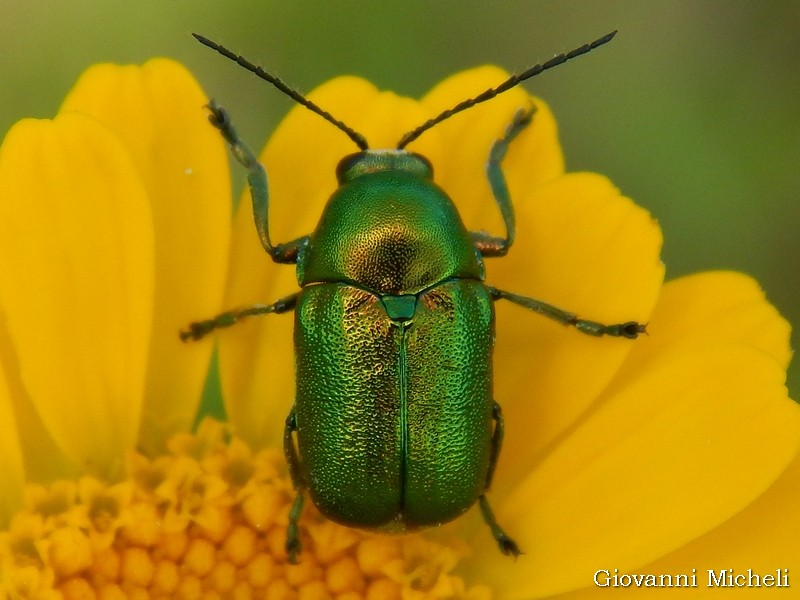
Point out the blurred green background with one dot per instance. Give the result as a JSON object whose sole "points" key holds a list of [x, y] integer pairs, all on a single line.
{"points": [[693, 110]]}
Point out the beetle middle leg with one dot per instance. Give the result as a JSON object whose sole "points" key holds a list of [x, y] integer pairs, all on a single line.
{"points": [[293, 545], [629, 329], [200, 329], [507, 545]]}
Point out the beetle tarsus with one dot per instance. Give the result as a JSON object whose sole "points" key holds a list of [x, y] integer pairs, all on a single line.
{"points": [[508, 546], [629, 330], [200, 329], [293, 548], [219, 118]]}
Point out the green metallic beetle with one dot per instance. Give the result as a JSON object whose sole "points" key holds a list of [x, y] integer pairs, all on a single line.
{"points": [[396, 426]]}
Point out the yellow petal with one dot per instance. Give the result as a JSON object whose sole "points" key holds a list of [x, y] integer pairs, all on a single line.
{"points": [[584, 248], [533, 158], [763, 538], [256, 360], [76, 257], [12, 470], [157, 110], [712, 308], [44, 459], [704, 310], [675, 451]]}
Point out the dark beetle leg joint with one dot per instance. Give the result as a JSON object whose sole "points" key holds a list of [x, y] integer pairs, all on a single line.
{"points": [[290, 452]]}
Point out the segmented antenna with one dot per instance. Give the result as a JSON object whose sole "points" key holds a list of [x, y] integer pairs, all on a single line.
{"points": [[503, 87], [359, 139]]}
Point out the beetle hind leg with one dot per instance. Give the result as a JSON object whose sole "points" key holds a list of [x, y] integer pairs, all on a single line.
{"points": [[293, 544], [507, 545]]}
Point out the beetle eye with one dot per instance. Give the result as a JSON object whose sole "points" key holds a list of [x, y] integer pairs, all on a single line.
{"points": [[424, 160], [346, 164]]}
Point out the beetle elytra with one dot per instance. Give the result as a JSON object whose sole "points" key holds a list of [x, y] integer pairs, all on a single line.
{"points": [[394, 425]]}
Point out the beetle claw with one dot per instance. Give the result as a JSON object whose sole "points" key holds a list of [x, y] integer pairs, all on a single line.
{"points": [[508, 546], [293, 548]]}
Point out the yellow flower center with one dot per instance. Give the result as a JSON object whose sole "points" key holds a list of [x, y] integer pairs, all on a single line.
{"points": [[207, 520]]}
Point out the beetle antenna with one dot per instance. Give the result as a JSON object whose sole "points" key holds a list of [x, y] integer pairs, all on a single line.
{"points": [[359, 139], [509, 83]]}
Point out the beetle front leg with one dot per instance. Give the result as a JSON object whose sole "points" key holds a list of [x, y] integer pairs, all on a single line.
{"points": [[258, 184], [200, 329], [629, 329], [293, 544], [486, 244]]}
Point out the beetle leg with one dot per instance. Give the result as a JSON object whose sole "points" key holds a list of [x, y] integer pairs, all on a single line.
{"points": [[497, 442], [629, 329], [290, 451], [293, 545], [258, 184], [507, 545], [200, 329], [486, 244]]}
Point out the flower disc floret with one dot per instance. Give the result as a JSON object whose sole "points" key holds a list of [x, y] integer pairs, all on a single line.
{"points": [[208, 520]]}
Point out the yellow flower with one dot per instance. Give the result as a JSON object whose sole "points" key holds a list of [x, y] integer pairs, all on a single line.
{"points": [[674, 452]]}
